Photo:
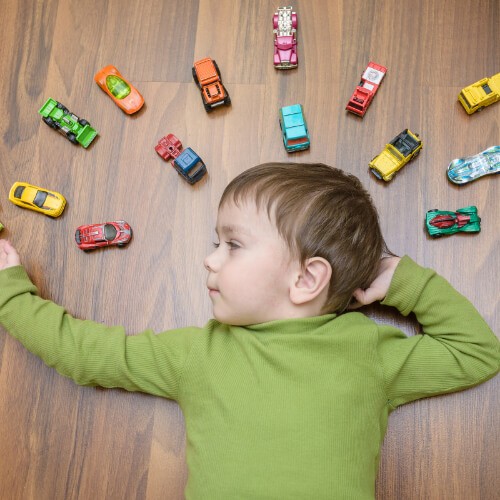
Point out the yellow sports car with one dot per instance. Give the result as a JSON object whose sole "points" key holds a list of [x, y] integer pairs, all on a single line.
{"points": [[403, 148], [41, 200]]}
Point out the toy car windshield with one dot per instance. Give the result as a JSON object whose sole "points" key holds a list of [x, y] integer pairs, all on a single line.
{"points": [[405, 145], [109, 232], [19, 191], [117, 86]]}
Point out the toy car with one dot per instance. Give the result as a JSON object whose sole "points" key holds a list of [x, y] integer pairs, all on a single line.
{"points": [[440, 222], [285, 38], [125, 95], [169, 147], [294, 128], [92, 236], [367, 88], [41, 200], [187, 163], [480, 94], [403, 148], [75, 129], [464, 170], [207, 76]]}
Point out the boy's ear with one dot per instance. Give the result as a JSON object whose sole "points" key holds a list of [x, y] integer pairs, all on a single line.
{"points": [[312, 280]]}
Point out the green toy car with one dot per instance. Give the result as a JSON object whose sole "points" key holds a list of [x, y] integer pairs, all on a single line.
{"points": [[75, 129], [439, 222]]}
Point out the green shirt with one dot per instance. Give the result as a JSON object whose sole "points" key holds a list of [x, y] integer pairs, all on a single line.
{"points": [[290, 409]]}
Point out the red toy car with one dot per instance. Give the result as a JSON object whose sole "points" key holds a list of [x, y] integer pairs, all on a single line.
{"points": [[169, 147], [367, 88], [187, 163], [94, 236], [285, 38]]}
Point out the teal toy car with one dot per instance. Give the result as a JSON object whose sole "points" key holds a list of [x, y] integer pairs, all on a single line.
{"points": [[294, 128], [439, 222], [75, 129]]}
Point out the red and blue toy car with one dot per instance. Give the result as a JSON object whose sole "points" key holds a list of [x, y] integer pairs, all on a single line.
{"points": [[187, 163]]}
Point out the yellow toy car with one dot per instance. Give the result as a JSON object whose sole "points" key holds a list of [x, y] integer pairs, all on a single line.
{"points": [[41, 200], [403, 148], [480, 94]]}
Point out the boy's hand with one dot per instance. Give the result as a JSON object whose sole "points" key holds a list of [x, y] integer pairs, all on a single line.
{"points": [[378, 289], [8, 255]]}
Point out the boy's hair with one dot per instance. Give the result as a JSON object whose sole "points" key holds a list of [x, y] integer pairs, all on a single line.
{"points": [[320, 211]]}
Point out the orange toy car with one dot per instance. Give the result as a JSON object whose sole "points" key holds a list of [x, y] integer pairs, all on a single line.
{"points": [[125, 95], [206, 75]]}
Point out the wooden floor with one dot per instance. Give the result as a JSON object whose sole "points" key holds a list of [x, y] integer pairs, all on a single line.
{"points": [[59, 441]]}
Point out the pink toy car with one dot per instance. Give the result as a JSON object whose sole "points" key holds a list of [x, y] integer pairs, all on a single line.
{"points": [[285, 39]]}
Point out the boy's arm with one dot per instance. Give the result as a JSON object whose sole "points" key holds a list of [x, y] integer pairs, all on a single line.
{"points": [[456, 350], [88, 352]]}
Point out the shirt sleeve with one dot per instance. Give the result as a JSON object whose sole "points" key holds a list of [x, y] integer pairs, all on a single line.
{"points": [[456, 349], [88, 352]]}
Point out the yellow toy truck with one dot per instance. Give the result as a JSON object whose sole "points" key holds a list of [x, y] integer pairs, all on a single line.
{"points": [[477, 96], [403, 148]]}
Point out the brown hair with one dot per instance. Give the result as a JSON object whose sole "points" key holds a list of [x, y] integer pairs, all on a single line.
{"points": [[320, 211]]}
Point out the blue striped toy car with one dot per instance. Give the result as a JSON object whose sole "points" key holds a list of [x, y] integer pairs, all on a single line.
{"points": [[464, 170]]}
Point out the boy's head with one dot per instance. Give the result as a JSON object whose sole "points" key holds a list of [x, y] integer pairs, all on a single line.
{"points": [[322, 215]]}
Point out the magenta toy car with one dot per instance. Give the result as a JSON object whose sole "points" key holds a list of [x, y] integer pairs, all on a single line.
{"points": [[285, 38]]}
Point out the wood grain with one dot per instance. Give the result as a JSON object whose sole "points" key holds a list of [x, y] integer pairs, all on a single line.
{"points": [[60, 441]]}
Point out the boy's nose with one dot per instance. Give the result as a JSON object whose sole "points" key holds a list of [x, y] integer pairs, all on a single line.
{"points": [[209, 262]]}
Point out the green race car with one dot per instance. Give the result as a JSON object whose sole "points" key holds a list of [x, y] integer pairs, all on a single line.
{"points": [[75, 129], [442, 222]]}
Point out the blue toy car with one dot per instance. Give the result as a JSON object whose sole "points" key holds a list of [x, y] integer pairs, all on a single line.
{"points": [[464, 170], [190, 166], [294, 128]]}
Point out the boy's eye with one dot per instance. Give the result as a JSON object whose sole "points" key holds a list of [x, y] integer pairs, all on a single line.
{"points": [[232, 245], [216, 245]]}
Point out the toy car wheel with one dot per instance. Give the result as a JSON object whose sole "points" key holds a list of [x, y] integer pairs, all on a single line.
{"points": [[195, 78], [479, 109], [72, 138], [48, 120], [208, 108], [217, 69], [60, 106], [83, 122]]}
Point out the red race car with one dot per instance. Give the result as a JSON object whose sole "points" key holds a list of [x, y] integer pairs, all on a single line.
{"points": [[367, 88], [94, 236]]}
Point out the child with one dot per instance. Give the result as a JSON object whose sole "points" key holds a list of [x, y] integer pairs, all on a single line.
{"points": [[285, 394]]}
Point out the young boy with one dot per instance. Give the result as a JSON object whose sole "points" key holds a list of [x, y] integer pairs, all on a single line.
{"points": [[285, 394]]}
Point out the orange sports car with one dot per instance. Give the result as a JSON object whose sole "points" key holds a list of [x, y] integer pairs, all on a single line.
{"points": [[125, 95]]}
